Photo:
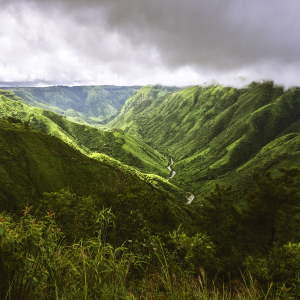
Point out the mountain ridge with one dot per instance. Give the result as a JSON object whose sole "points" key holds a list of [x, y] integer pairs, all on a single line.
{"points": [[85, 138], [212, 131], [86, 104]]}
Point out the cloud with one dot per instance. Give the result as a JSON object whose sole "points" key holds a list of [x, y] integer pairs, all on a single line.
{"points": [[141, 41]]}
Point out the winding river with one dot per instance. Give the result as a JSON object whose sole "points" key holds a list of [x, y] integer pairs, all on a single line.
{"points": [[189, 196]]}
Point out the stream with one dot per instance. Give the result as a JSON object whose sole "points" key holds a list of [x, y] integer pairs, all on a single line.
{"points": [[173, 173], [189, 196]]}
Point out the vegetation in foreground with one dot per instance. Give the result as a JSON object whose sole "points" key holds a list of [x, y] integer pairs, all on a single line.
{"points": [[79, 251], [113, 233]]}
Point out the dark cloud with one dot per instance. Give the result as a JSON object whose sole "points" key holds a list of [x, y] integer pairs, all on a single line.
{"points": [[125, 40]]}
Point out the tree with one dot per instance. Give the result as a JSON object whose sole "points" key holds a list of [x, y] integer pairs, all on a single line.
{"points": [[219, 217], [272, 213]]}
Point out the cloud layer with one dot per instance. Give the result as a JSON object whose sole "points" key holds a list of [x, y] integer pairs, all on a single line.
{"points": [[172, 42]]}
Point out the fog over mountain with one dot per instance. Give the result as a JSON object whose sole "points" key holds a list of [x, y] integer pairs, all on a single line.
{"points": [[128, 42]]}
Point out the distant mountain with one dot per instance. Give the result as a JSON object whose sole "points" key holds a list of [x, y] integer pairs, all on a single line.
{"points": [[115, 143], [218, 134], [88, 104]]}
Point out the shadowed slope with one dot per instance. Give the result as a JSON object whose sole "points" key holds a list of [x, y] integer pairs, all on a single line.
{"points": [[33, 162], [87, 139]]}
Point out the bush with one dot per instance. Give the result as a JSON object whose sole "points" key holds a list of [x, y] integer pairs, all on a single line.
{"points": [[29, 255]]}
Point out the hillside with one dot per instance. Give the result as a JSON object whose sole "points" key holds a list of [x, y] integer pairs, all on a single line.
{"points": [[86, 104], [33, 162], [136, 107], [117, 143], [219, 134], [107, 213]]}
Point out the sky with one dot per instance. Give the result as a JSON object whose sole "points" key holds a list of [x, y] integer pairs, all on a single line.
{"points": [[139, 42]]}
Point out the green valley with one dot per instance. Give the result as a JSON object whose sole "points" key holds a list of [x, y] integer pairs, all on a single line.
{"points": [[33, 163], [85, 104], [88, 213], [115, 143], [218, 134]]}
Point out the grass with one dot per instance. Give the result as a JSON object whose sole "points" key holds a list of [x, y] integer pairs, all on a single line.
{"points": [[33, 163], [86, 104], [86, 139], [94, 270], [213, 133]]}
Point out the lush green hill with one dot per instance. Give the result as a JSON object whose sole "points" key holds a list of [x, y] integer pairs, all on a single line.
{"points": [[116, 143], [87, 104], [219, 134], [33, 162], [136, 108]]}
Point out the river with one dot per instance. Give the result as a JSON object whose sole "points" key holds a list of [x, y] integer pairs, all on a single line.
{"points": [[189, 196]]}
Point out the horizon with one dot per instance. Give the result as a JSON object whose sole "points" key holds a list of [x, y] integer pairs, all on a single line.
{"points": [[212, 83], [137, 42]]}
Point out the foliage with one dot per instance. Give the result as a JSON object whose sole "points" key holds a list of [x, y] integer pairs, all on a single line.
{"points": [[36, 266], [272, 212], [218, 134], [86, 139], [29, 255], [87, 104], [76, 215], [191, 253], [281, 265], [219, 217]]}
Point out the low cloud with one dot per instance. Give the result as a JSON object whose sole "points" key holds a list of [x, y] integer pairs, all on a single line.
{"points": [[140, 42]]}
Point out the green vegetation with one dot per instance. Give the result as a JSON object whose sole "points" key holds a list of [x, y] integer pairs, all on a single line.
{"points": [[121, 255], [86, 104], [115, 143], [218, 134], [96, 228], [33, 163]]}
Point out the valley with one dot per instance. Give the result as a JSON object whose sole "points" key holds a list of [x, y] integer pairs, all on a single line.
{"points": [[189, 196], [149, 150], [218, 134], [214, 134], [196, 180], [85, 104]]}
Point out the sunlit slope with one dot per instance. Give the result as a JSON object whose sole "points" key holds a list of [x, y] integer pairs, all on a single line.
{"points": [[88, 104], [33, 162], [135, 109], [154, 180], [215, 133], [87, 139]]}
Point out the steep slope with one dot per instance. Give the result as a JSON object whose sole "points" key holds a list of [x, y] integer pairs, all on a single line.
{"points": [[33, 162], [87, 104], [212, 132], [87, 139], [136, 107]]}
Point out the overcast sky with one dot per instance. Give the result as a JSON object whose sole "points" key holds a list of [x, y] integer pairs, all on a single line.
{"points": [[139, 42]]}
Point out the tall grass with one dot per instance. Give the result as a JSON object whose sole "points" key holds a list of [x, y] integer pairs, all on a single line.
{"points": [[91, 270], [40, 266]]}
